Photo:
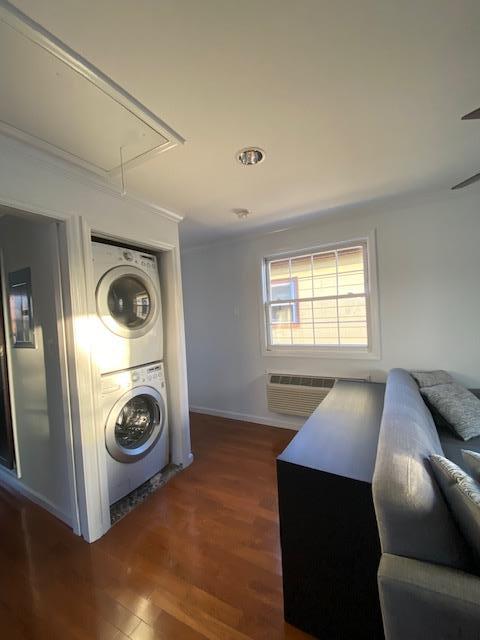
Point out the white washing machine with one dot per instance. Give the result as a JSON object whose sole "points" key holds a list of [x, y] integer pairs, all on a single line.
{"points": [[134, 406], [129, 328]]}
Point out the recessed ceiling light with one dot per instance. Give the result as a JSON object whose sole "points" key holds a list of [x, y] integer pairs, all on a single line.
{"points": [[242, 214], [250, 156]]}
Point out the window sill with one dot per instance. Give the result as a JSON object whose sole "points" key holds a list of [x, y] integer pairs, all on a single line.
{"points": [[326, 354]]}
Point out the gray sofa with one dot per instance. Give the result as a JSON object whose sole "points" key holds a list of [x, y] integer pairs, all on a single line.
{"points": [[429, 585]]}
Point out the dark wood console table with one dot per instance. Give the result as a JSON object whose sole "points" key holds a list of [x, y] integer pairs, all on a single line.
{"points": [[329, 537]]}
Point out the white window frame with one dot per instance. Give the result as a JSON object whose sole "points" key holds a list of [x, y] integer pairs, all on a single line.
{"points": [[372, 351]]}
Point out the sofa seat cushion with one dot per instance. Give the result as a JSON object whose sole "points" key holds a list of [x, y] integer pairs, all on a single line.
{"points": [[412, 515], [459, 406]]}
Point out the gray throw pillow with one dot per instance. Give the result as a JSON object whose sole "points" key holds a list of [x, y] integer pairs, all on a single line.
{"points": [[472, 460], [431, 378], [459, 407], [462, 495]]}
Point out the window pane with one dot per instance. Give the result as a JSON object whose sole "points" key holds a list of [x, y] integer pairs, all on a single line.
{"points": [[351, 277], [352, 319], [280, 270], [325, 320], [279, 336], [301, 269], [326, 334], [282, 290], [325, 274], [281, 313], [280, 333], [303, 333], [325, 310], [304, 312]]}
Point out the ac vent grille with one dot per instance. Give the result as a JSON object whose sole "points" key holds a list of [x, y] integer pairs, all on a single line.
{"points": [[304, 381], [298, 395]]}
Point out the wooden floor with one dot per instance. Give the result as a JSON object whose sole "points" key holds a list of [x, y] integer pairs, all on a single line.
{"points": [[199, 559]]}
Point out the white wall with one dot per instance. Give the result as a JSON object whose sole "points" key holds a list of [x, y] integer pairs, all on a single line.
{"points": [[428, 271], [35, 374]]}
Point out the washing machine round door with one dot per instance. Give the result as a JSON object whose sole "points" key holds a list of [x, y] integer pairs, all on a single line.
{"points": [[134, 424], [127, 301]]}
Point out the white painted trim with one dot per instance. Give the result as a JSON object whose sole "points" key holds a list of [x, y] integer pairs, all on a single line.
{"points": [[7, 478], [320, 353], [87, 178], [176, 357], [60, 289], [245, 417], [8, 349], [33, 31], [89, 448], [142, 157], [23, 207]]}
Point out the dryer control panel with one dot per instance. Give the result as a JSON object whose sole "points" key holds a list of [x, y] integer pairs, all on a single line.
{"points": [[150, 375], [121, 255], [138, 259]]}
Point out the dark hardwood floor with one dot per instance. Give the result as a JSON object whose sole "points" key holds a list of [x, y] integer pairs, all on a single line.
{"points": [[199, 559]]}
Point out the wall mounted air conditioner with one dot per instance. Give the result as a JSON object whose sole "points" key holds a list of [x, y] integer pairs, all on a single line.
{"points": [[297, 395]]}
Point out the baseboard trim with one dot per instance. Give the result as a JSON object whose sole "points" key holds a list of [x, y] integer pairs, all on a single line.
{"points": [[269, 422], [12, 482]]}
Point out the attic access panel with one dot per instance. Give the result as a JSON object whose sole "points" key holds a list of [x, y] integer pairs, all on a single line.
{"points": [[57, 101]]}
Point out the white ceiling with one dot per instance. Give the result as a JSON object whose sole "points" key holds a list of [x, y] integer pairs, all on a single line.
{"points": [[352, 100]]}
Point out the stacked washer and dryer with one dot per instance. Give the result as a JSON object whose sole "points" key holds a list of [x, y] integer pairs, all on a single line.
{"points": [[129, 354]]}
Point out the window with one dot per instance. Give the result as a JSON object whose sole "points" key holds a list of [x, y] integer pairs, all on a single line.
{"points": [[319, 300], [284, 290]]}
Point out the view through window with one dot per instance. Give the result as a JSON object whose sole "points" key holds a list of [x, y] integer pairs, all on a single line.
{"points": [[318, 299]]}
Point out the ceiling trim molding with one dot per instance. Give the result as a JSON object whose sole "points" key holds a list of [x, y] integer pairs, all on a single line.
{"points": [[77, 174], [385, 205], [33, 31]]}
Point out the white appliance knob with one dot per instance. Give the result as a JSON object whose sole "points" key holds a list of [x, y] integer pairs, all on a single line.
{"points": [[135, 377], [128, 256]]}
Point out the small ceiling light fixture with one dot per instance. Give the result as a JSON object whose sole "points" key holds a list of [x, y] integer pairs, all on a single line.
{"points": [[242, 214], [250, 156]]}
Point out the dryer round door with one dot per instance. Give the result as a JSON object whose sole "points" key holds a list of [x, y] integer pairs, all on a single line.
{"points": [[134, 424], [127, 301]]}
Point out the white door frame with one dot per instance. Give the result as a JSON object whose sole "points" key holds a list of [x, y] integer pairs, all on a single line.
{"points": [[85, 434], [14, 478], [90, 448]]}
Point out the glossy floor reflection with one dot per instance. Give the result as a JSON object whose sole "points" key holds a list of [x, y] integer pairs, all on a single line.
{"points": [[199, 559]]}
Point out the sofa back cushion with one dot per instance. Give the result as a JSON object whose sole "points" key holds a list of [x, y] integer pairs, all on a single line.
{"points": [[413, 518], [462, 494]]}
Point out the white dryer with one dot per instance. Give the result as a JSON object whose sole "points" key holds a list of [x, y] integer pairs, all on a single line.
{"points": [[129, 328], [134, 407]]}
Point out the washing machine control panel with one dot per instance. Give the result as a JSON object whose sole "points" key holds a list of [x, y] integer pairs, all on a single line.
{"points": [[147, 375]]}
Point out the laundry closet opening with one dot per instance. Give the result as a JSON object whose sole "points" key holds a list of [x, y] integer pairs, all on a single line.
{"points": [[36, 455], [129, 356]]}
